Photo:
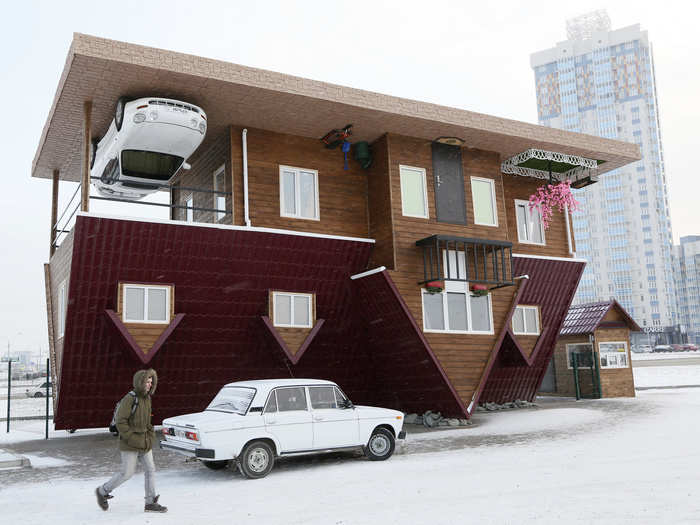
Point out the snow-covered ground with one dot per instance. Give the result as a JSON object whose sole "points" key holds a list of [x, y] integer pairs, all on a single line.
{"points": [[596, 461], [663, 376], [653, 356]]}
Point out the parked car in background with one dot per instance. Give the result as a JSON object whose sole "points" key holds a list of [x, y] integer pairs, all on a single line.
{"points": [[645, 348], [690, 347], [39, 390], [146, 144], [254, 422], [663, 348]]}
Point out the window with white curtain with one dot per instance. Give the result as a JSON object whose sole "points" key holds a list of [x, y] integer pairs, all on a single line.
{"points": [[293, 310], [146, 303], [456, 310], [530, 227], [299, 193]]}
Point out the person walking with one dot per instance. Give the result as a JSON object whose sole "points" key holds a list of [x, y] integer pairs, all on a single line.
{"points": [[136, 438]]}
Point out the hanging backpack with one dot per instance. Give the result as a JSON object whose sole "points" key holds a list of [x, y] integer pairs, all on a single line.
{"points": [[113, 424]]}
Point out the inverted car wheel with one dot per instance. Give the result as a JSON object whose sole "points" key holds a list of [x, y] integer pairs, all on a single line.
{"points": [[216, 465], [257, 460], [38, 394], [119, 112], [380, 445]]}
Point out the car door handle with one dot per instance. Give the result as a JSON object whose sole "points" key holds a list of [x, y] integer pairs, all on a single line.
{"points": [[319, 418]]}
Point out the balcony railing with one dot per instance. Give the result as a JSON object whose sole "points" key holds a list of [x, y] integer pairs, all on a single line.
{"points": [[449, 258]]}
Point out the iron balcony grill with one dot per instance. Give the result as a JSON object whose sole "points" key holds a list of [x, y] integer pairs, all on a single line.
{"points": [[484, 261]]}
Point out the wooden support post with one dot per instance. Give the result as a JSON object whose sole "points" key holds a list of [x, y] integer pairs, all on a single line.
{"points": [[85, 179], [54, 213]]}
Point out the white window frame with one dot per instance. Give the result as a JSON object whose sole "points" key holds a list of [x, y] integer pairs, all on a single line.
{"points": [[62, 307], [220, 199], [458, 287], [189, 208], [297, 194], [492, 183], [601, 352], [568, 355], [145, 288], [421, 171], [527, 328], [529, 225], [291, 312]]}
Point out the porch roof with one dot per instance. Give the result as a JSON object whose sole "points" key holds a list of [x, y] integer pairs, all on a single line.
{"points": [[101, 70]]}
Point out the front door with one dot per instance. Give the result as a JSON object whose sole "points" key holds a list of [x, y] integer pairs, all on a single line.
{"points": [[334, 426], [288, 418], [450, 204]]}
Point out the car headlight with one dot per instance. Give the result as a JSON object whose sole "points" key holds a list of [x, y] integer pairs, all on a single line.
{"points": [[139, 117], [202, 127], [153, 115], [193, 122]]}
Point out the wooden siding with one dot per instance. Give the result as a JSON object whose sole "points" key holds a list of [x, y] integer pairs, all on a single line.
{"points": [[59, 268], [379, 197], [615, 382]]}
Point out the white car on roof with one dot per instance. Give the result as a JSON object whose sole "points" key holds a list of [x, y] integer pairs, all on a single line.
{"points": [[254, 422], [146, 144]]}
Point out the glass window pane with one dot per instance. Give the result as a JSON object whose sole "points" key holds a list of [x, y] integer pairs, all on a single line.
{"points": [[283, 309], [481, 313], [322, 397], [454, 264], [482, 196], [271, 405], [521, 215], [307, 192], [531, 320], [412, 196], [432, 309], [288, 196], [518, 321], [134, 304], [457, 311], [157, 307], [190, 212], [536, 226], [291, 399], [301, 310]]}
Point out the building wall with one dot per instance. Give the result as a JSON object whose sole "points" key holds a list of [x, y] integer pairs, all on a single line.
{"points": [[605, 86], [687, 278], [615, 382], [59, 269]]}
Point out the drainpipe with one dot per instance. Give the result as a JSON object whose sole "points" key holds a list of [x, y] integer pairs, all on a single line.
{"points": [[245, 177], [568, 230]]}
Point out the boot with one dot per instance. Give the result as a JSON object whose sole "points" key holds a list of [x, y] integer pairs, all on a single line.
{"points": [[155, 506], [102, 499]]}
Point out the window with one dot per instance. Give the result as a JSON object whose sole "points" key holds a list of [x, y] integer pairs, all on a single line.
{"points": [[220, 198], [292, 310], [322, 397], [298, 193], [414, 195], [146, 303], [530, 229], [62, 305], [526, 320], [484, 200], [613, 355], [456, 310], [149, 164], [584, 351], [189, 208], [289, 399]]}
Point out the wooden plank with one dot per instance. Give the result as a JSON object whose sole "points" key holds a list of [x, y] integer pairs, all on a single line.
{"points": [[54, 212], [85, 175]]}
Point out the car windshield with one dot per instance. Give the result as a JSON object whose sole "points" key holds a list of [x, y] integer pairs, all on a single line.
{"points": [[232, 399], [149, 164]]}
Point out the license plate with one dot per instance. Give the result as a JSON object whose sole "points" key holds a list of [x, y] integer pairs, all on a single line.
{"points": [[180, 433]]}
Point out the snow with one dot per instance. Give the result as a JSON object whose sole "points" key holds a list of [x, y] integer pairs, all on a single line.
{"points": [[608, 461], [656, 376], [653, 356]]}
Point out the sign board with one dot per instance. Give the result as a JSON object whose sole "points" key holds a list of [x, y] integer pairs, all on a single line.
{"points": [[6, 359], [653, 329]]}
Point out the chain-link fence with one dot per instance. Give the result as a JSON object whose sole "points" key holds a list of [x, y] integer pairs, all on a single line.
{"points": [[25, 397]]}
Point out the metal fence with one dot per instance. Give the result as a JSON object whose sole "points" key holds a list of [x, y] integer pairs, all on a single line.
{"points": [[26, 398]]}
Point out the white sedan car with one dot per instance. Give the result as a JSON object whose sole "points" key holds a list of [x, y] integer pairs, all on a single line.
{"points": [[148, 141], [254, 422]]}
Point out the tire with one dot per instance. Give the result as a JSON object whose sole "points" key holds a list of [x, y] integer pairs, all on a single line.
{"points": [[38, 394], [119, 112], [256, 460], [381, 445], [216, 465]]}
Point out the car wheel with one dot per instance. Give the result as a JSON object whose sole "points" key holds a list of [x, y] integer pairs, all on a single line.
{"points": [[119, 112], [38, 394], [216, 465], [380, 445], [257, 460]]}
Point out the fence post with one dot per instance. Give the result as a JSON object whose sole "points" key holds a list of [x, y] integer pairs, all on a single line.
{"points": [[576, 383], [9, 386], [48, 381]]}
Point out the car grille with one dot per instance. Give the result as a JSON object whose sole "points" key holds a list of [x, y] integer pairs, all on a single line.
{"points": [[176, 104]]}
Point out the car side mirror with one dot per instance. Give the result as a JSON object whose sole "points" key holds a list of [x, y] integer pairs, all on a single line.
{"points": [[348, 404], [186, 166]]}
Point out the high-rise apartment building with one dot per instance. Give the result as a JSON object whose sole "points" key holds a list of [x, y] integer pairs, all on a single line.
{"points": [[686, 270], [601, 82]]}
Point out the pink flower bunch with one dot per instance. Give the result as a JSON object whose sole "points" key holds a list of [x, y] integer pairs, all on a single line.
{"points": [[551, 196]]}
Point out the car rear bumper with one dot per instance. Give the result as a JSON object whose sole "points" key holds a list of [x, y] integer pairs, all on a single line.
{"points": [[204, 453]]}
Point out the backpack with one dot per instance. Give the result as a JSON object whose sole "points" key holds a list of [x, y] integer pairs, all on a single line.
{"points": [[113, 424]]}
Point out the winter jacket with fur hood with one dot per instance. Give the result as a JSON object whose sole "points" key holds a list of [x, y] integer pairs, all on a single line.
{"points": [[136, 431]]}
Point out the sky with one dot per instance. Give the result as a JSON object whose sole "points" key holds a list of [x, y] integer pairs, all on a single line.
{"points": [[469, 55]]}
